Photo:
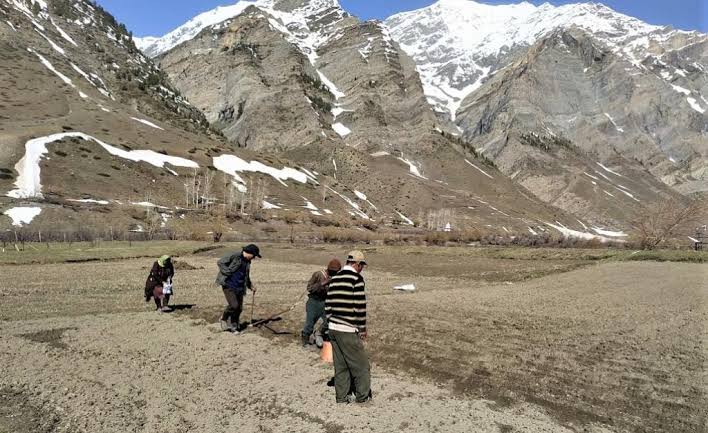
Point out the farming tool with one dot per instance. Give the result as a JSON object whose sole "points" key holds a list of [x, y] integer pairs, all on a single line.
{"points": [[277, 317]]}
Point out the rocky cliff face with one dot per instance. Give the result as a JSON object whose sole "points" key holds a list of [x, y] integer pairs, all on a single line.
{"points": [[603, 80], [338, 96], [250, 82], [293, 73], [551, 118]]}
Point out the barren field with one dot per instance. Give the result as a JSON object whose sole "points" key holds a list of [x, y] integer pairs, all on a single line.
{"points": [[492, 341]]}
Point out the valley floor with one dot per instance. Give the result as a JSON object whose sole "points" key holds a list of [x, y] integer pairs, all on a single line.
{"points": [[488, 343]]}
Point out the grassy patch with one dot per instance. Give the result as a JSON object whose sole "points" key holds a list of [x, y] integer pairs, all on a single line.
{"points": [[99, 251], [667, 256]]}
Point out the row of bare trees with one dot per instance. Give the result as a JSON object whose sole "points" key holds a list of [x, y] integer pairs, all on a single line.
{"points": [[244, 198]]}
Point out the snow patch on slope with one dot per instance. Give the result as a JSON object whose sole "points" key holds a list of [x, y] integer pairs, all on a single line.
{"points": [[341, 130], [147, 122], [63, 34], [695, 105], [22, 215], [570, 233], [28, 182], [232, 165], [413, 168], [479, 169]]}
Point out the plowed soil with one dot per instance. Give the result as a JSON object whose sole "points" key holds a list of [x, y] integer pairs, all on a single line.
{"points": [[565, 346]]}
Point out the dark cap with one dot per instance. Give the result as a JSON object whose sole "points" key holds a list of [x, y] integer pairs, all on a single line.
{"points": [[253, 249]]}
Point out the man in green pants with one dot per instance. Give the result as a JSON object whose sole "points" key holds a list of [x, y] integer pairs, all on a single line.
{"points": [[345, 308]]}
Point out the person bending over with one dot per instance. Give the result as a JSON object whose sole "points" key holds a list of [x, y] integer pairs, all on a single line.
{"points": [[159, 283]]}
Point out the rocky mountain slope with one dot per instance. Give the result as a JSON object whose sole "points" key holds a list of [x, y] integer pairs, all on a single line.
{"points": [[291, 54], [454, 62], [316, 85], [94, 134], [97, 134], [548, 93]]}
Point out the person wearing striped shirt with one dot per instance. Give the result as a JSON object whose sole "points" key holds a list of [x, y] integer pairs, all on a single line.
{"points": [[345, 308]]}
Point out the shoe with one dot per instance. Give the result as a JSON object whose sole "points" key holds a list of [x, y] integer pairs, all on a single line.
{"points": [[226, 326], [330, 382], [349, 399], [368, 399], [166, 309]]}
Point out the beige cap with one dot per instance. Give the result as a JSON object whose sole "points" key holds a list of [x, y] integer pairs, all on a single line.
{"points": [[356, 256]]}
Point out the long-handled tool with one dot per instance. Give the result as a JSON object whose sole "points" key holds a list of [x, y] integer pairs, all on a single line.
{"points": [[274, 318], [253, 304]]}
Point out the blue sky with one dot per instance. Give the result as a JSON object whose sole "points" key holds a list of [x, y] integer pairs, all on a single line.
{"points": [[157, 17]]}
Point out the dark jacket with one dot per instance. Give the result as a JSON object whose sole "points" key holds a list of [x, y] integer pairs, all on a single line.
{"points": [[159, 275], [318, 285], [230, 264]]}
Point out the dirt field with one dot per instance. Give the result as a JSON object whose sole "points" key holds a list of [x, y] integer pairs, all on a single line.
{"points": [[490, 342]]}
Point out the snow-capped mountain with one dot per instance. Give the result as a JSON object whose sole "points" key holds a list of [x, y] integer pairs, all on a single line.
{"points": [[457, 44], [307, 22]]}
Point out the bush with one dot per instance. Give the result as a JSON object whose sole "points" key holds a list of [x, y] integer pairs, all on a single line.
{"points": [[546, 143], [321, 221], [335, 235], [320, 104]]}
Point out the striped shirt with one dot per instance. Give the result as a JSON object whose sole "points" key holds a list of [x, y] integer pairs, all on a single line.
{"points": [[346, 300]]}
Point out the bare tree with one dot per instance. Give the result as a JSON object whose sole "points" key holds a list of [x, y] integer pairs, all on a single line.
{"points": [[219, 225], [657, 224], [153, 223]]}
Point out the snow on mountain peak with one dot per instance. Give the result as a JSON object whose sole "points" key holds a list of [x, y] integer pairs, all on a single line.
{"points": [[289, 13], [459, 43], [154, 46]]}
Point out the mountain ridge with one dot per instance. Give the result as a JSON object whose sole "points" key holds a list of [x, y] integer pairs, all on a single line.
{"points": [[502, 29]]}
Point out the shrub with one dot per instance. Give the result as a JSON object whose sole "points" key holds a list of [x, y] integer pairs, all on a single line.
{"points": [[335, 235]]}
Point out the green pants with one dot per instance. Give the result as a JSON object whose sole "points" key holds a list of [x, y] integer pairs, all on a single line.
{"points": [[351, 366]]}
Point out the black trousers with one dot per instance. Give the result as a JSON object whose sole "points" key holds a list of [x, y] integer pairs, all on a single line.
{"points": [[232, 312]]}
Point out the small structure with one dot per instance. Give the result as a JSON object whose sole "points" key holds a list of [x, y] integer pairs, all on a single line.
{"points": [[699, 238]]}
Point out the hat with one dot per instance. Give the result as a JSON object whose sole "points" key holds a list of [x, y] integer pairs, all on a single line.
{"points": [[163, 260], [253, 249], [356, 256], [334, 265]]}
